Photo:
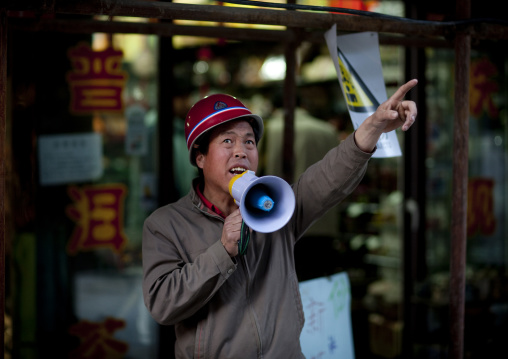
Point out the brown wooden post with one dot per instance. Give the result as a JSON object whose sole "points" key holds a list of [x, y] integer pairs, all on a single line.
{"points": [[289, 97], [3, 114], [460, 181], [289, 113]]}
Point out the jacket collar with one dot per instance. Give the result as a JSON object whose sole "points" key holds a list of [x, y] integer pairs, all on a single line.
{"points": [[200, 201]]}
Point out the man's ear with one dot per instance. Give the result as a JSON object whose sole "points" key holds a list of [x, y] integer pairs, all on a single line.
{"points": [[200, 159]]}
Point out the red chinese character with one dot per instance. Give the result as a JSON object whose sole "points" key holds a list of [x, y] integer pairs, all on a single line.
{"points": [[98, 213], [480, 207], [483, 86], [97, 80], [97, 340]]}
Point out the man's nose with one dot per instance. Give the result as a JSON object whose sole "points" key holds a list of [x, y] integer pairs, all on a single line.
{"points": [[240, 151]]}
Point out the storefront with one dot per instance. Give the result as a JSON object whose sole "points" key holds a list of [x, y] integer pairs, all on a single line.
{"points": [[94, 143]]}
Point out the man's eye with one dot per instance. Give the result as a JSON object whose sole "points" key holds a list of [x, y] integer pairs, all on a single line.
{"points": [[250, 142], [227, 140]]}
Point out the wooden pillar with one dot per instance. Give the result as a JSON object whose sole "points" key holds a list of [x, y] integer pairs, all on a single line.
{"points": [[289, 97], [166, 185], [460, 181], [3, 114], [289, 112], [414, 243]]}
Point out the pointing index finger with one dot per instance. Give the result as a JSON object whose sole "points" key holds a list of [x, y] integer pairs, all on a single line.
{"points": [[403, 90]]}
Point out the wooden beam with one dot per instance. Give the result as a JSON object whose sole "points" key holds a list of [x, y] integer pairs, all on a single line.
{"points": [[294, 19], [87, 26], [231, 33], [3, 115], [223, 14], [478, 29], [459, 187]]}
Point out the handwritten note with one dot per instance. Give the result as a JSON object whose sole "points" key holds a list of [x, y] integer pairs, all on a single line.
{"points": [[327, 332]]}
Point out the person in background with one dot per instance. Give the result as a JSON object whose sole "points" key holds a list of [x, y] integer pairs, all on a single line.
{"points": [[226, 305], [315, 254]]}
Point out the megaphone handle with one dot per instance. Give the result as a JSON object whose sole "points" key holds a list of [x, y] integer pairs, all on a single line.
{"points": [[244, 239]]}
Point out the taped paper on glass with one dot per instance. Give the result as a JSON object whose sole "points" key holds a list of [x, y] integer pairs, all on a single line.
{"points": [[69, 158], [358, 65], [327, 332]]}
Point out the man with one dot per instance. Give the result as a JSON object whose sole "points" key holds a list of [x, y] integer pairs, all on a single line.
{"points": [[225, 305]]}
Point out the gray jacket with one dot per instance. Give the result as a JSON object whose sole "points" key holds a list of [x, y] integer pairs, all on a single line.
{"points": [[243, 307]]}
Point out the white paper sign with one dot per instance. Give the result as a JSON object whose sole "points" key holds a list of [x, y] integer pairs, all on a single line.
{"points": [[358, 65], [327, 332], [69, 158], [136, 139]]}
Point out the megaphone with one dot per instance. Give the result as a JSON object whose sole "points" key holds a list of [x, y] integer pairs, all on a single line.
{"points": [[266, 203]]}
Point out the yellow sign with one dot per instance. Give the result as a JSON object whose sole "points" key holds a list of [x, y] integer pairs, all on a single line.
{"points": [[358, 96], [358, 64]]}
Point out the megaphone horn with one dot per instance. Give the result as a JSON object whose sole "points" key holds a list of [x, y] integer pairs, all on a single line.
{"points": [[267, 203]]}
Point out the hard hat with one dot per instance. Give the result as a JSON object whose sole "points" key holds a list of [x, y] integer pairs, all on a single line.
{"points": [[215, 110]]}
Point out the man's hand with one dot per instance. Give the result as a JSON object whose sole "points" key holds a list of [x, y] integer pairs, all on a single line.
{"points": [[390, 115], [231, 232]]}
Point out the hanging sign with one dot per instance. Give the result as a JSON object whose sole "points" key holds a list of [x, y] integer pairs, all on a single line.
{"points": [[481, 216], [358, 65], [97, 339], [98, 212], [96, 80], [484, 88]]}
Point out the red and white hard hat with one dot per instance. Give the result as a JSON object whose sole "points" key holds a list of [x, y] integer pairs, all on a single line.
{"points": [[215, 110]]}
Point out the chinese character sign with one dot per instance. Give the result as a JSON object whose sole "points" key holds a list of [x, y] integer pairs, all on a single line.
{"points": [[98, 213], [97, 341], [96, 80], [483, 86], [481, 218]]}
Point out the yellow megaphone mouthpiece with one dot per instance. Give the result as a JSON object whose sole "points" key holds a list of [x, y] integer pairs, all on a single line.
{"points": [[257, 198], [266, 203]]}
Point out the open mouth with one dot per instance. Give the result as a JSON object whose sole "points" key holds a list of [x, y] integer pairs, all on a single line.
{"points": [[237, 170]]}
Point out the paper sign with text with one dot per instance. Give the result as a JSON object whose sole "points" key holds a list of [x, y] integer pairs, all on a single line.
{"points": [[358, 65], [327, 332], [69, 158]]}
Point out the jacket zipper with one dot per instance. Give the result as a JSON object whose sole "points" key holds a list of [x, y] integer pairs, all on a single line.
{"points": [[246, 268], [251, 310]]}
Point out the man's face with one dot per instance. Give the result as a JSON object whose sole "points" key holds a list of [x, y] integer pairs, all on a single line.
{"points": [[232, 150]]}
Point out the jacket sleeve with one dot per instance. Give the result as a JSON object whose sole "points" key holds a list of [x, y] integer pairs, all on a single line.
{"points": [[174, 287], [328, 182]]}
